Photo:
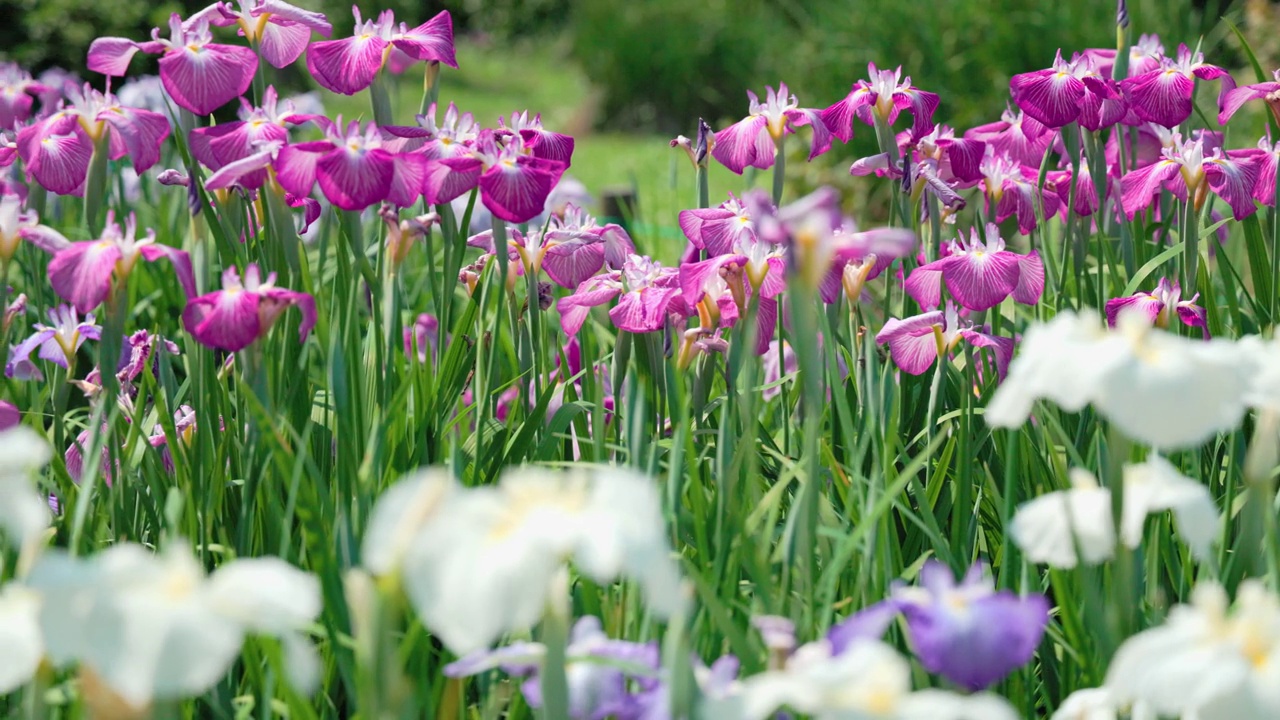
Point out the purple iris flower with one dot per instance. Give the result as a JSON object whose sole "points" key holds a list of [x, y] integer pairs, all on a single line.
{"points": [[719, 229], [350, 65], [57, 342], [199, 74], [184, 423], [14, 220], [352, 167], [242, 311], [10, 416], [1234, 99], [226, 143], [1011, 188], [1017, 135], [885, 95], [1160, 306], [979, 274], [57, 149], [83, 272], [541, 142], [597, 670], [278, 30], [1265, 156], [1088, 199], [1189, 173], [644, 287], [1067, 92], [514, 183], [753, 141], [17, 94], [453, 137], [916, 342], [969, 633], [422, 338], [1163, 95]]}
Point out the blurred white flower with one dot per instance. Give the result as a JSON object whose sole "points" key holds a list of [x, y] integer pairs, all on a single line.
{"points": [[483, 563], [1156, 387], [1049, 528], [24, 514], [1099, 704], [868, 681], [399, 517], [154, 627], [1206, 662], [19, 636]]}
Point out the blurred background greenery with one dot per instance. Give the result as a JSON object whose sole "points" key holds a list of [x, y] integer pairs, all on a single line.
{"points": [[624, 76]]}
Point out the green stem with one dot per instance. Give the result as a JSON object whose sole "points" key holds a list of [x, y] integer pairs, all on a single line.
{"points": [[430, 86], [779, 170], [555, 638], [95, 186], [380, 97]]}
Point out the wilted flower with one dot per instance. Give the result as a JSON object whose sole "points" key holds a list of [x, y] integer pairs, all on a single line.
{"points": [[1160, 306], [350, 65], [1049, 528], [242, 311]]}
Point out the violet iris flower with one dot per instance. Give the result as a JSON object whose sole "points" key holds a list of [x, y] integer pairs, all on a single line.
{"points": [[184, 424], [541, 142], [916, 342], [753, 141], [199, 74], [83, 272], [1017, 135], [422, 339], [885, 95], [1160, 306], [17, 94], [234, 317], [1235, 98], [1163, 95], [1067, 92], [597, 669], [1189, 174], [514, 183], [1011, 188], [644, 287], [1088, 200], [719, 229], [350, 65], [1265, 157], [220, 145], [278, 30], [969, 633], [352, 167], [979, 274], [454, 136], [57, 149], [10, 416], [57, 342]]}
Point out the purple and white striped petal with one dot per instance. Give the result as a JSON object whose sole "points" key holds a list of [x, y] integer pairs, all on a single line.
{"points": [[1030, 279], [839, 117], [57, 153], [1161, 96], [81, 274], [346, 66], [432, 40], [548, 145], [1001, 348], [1193, 315], [449, 178], [1234, 181], [1234, 99], [354, 181], [142, 133], [913, 342], [1140, 187], [180, 260], [821, 134], [715, 230], [643, 310], [1144, 303], [570, 263], [517, 192], [111, 55], [980, 280], [275, 301], [1050, 96], [766, 323], [745, 144], [408, 175], [224, 320], [244, 172], [281, 45], [297, 165], [695, 276], [924, 285], [961, 159], [203, 79], [593, 291]]}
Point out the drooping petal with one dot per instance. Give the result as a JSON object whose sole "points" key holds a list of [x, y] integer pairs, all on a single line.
{"points": [[570, 263], [642, 311], [282, 45], [712, 229], [838, 118], [224, 320], [1194, 316], [1161, 96], [518, 192], [297, 165], [980, 280], [81, 274], [1001, 348], [1233, 181], [278, 10], [548, 145], [1234, 99], [1145, 303], [1139, 188], [142, 131], [593, 291], [821, 135], [180, 260], [924, 285], [274, 301], [204, 79], [922, 105], [1030, 279], [913, 344], [766, 323], [111, 55], [57, 153], [1049, 96], [19, 366], [449, 178], [244, 171], [745, 144], [346, 66], [432, 40], [409, 173]]}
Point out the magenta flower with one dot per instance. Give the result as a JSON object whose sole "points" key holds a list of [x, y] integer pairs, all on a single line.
{"points": [[513, 184], [232, 318], [1087, 197], [1265, 156], [199, 74], [17, 94], [753, 141], [717, 230], [184, 424], [278, 30], [453, 137], [884, 96], [916, 342], [1185, 171], [57, 149], [1234, 99], [978, 274], [350, 65], [1011, 188], [851, 272], [10, 416], [57, 342], [1163, 95], [1019, 136], [959, 159], [645, 289], [1160, 306], [423, 338], [574, 223], [352, 167], [220, 145], [83, 272], [541, 142], [14, 221], [1068, 92], [969, 633]]}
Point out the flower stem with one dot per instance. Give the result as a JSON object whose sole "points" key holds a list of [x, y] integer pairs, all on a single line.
{"points": [[779, 171], [381, 100]]}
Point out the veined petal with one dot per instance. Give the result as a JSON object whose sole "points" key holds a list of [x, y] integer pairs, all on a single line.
{"points": [[1139, 188], [695, 276], [1234, 99], [279, 10], [709, 229], [745, 144], [60, 161], [766, 323], [432, 40], [548, 145], [570, 263], [517, 192], [180, 260], [1233, 181], [922, 105], [980, 280], [924, 285], [45, 238], [821, 134], [243, 171], [1030, 279], [963, 158], [346, 66], [1001, 348], [1049, 96], [1144, 303], [111, 55], [354, 181], [449, 178], [224, 320], [644, 310], [81, 274], [912, 342], [593, 291], [19, 366], [1161, 96], [839, 117], [282, 45], [1194, 316], [142, 131], [204, 80], [296, 165], [409, 173]]}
